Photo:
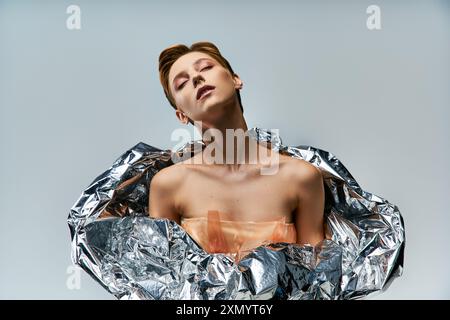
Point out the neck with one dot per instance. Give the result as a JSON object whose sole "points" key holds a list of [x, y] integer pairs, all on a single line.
{"points": [[227, 143]]}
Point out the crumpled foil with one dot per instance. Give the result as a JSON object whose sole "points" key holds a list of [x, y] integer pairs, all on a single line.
{"points": [[134, 256]]}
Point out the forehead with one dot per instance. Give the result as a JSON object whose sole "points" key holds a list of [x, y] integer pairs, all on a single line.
{"points": [[184, 62]]}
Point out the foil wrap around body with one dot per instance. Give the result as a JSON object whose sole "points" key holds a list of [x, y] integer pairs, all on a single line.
{"points": [[134, 256]]}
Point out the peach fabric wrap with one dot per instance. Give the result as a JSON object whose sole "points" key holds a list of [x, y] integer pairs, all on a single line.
{"points": [[218, 234]]}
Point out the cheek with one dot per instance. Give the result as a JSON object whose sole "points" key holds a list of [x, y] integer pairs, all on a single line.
{"points": [[225, 81], [184, 97], [224, 76]]}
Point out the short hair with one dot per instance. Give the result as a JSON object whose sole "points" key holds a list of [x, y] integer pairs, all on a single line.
{"points": [[169, 55]]}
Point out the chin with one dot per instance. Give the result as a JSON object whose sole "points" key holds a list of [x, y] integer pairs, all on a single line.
{"points": [[215, 110], [217, 101], [211, 102]]}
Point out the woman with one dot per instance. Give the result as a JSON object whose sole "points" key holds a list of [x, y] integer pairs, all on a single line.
{"points": [[230, 207]]}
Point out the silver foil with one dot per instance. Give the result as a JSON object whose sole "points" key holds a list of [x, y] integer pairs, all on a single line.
{"points": [[134, 256]]}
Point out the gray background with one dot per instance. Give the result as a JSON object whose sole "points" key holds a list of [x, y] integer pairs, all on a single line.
{"points": [[73, 101]]}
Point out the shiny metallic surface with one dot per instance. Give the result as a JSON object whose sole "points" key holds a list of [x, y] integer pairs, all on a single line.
{"points": [[134, 256]]}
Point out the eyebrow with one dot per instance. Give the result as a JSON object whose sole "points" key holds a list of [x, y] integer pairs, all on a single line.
{"points": [[195, 63]]}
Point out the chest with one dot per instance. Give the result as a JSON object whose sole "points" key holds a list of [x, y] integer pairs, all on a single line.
{"points": [[245, 196]]}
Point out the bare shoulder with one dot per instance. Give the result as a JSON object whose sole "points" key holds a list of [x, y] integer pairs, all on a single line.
{"points": [[301, 170], [164, 187], [168, 178]]}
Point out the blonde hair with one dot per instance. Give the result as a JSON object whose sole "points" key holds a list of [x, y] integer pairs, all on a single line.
{"points": [[169, 55]]}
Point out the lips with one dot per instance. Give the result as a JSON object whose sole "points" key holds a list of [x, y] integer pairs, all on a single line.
{"points": [[203, 90]]}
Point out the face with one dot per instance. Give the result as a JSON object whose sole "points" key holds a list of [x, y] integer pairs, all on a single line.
{"points": [[193, 71]]}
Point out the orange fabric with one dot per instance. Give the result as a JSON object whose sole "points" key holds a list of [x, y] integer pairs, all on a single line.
{"points": [[236, 238]]}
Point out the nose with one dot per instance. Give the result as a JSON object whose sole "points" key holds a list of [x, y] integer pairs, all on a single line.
{"points": [[197, 79]]}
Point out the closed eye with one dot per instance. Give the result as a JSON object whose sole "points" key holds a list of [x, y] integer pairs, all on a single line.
{"points": [[182, 85]]}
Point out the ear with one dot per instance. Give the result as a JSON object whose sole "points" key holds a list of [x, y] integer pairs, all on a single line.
{"points": [[237, 81], [181, 116]]}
